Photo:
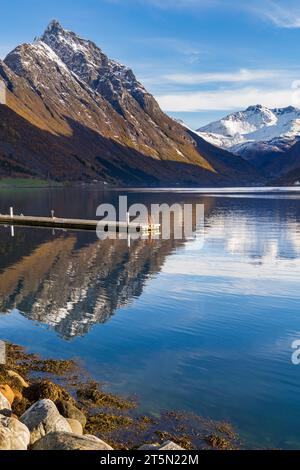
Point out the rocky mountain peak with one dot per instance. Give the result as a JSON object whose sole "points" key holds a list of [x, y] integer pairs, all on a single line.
{"points": [[57, 36], [114, 81], [287, 110], [256, 108], [54, 27]]}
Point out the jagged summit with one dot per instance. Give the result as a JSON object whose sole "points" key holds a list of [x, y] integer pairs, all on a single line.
{"points": [[55, 29], [54, 25], [255, 107], [108, 77]]}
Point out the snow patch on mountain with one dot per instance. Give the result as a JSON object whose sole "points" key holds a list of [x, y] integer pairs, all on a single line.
{"points": [[25, 56], [257, 129]]}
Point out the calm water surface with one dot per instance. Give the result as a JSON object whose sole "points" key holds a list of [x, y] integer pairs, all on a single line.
{"points": [[202, 325]]}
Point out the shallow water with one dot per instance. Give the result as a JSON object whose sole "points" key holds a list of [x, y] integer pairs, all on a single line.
{"points": [[202, 325]]}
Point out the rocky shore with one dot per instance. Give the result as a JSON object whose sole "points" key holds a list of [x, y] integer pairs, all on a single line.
{"points": [[52, 405]]}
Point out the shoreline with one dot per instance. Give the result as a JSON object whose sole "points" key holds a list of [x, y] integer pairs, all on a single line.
{"points": [[38, 183], [30, 381]]}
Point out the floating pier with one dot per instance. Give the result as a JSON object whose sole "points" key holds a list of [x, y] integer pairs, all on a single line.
{"points": [[77, 224]]}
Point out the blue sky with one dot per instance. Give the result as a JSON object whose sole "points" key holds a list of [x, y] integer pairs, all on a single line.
{"points": [[200, 58]]}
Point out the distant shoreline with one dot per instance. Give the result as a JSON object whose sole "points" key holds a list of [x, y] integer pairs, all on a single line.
{"points": [[32, 183], [218, 190], [7, 183]]}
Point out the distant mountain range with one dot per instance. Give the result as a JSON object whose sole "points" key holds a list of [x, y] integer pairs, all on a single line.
{"points": [[73, 114], [268, 138]]}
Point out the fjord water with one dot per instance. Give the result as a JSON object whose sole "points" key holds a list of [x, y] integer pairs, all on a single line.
{"points": [[203, 325]]}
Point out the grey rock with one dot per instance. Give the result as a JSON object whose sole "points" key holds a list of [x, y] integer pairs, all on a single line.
{"points": [[4, 403], [68, 410], [149, 447], [169, 445], [67, 441], [42, 418], [93, 438], [75, 426], [13, 434]]}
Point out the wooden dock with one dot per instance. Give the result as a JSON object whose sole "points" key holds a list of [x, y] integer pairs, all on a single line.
{"points": [[77, 224]]}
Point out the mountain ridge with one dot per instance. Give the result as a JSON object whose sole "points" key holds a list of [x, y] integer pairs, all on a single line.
{"points": [[256, 131], [94, 120]]}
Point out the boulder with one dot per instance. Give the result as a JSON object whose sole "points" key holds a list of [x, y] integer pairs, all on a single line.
{"points": [[75, 426], [67, 441], [4, 403], [68, 410], [18, 377], [13, 434], [149, 447], [7, 392], [169, 445], [93, 438], [42, 418]]}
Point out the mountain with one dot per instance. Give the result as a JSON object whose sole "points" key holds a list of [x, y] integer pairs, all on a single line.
{"points": [[292, 178], [74, 114], [258, 134], [285, 169]]}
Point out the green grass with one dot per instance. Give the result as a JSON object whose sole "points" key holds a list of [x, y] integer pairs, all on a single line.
{"points": [[27, 183]]}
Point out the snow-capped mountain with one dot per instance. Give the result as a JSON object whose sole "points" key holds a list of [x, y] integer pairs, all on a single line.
{"points": [[75, 114], [257, 130]]}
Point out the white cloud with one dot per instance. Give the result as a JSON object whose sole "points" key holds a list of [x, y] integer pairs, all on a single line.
{"points": [[226, 99], [242, 75], [229, 90]]}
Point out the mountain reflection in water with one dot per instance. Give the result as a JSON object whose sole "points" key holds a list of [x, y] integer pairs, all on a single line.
{"points": [[203, 325], [70, 282], [70, 285]]}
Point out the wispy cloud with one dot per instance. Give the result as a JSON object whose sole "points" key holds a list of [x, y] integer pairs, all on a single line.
{"points": [[282, 13], [173, 83], [187, 48], [242, 75], [229, 99], [177, 4], [182, 3]]}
